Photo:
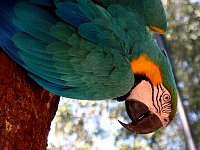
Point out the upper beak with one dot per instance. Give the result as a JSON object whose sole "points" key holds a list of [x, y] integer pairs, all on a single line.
{"points": [[143, 121]]}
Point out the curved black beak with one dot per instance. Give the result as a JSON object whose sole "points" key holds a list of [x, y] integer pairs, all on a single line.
{"points": [[143, 121]]}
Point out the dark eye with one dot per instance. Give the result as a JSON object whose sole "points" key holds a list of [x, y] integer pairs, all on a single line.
{"points": [[166, 97]]}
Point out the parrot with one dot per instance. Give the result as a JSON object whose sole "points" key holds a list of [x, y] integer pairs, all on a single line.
{"points": [[95, 50]]}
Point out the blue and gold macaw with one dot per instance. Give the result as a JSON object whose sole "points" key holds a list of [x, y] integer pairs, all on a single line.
{"points": [[94, 50]]}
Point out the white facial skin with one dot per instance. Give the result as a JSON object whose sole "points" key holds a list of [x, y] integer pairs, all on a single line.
{"points": [[159, 103]]}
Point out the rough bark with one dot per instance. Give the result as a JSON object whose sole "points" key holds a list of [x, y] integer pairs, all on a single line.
{"points": [[26, 109]]}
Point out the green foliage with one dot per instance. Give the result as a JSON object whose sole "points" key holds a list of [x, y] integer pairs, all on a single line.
{"points": [[184, 36]]}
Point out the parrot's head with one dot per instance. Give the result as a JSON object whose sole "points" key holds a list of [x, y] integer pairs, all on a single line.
{"points": [[152, 101]]}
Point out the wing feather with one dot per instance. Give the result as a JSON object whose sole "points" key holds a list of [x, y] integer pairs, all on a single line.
{"points": [[81, 56]]}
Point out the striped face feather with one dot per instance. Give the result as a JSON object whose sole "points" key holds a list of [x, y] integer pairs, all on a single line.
{"points": [[161, 103], [148, 107]]}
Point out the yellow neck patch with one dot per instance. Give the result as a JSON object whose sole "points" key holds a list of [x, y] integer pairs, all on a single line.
{"points": [[143, 65], [156, 29]]}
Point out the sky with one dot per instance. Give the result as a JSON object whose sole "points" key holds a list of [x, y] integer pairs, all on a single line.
{"points": [[105, 123]]}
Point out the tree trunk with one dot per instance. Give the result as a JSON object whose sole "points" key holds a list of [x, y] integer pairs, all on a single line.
{"points": [[26, 109]]}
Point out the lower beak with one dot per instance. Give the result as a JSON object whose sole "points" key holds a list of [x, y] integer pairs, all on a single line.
{"points": [[143, 121]]}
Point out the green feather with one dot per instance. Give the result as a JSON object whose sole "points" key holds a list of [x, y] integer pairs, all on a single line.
{"points": [[153, 12]]}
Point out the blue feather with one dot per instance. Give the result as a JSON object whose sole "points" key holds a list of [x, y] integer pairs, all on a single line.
{"points": [[33, 58], [7, 29], [89, 31], [49, 85], [71, 13], [47, 3]]}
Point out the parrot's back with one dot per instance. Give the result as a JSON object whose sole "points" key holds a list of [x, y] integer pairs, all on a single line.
{"points": [[81, 48], [70, 48]]}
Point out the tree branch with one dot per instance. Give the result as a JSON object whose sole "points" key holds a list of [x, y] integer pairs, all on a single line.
{"points": [[26, 109]]}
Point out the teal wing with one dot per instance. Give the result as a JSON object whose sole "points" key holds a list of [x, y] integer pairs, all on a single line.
{"points": [[151, 10], [81, 52]]}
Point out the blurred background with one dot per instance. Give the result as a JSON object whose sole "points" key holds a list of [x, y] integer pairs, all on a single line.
{"points": [[85, 125]]}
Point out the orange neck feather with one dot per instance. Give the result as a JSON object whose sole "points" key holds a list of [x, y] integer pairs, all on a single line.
{"points": [[143, 65]]}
